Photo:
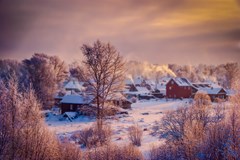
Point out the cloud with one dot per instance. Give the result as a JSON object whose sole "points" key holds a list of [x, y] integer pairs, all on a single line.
{"points": [[173, 31]]}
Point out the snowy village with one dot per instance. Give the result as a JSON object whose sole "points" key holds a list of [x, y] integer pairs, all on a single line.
{"points": [[120, 80], [76, 96]]}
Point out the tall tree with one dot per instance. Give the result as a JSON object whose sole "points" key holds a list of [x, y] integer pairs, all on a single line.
{"points": [[46, 74], [10, 68], [105, 72], [77, 71], [22, 131], [232, 69]]}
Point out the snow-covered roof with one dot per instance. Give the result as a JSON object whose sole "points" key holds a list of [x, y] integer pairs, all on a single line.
{"points": [[140, 91], [205, 85], [150, 82], [138, 80], [117, 96], [161, 88], [128, 81], [164, 80], [143, 90], [182, 81], [209, 90], [74, 85], [76, 99]]}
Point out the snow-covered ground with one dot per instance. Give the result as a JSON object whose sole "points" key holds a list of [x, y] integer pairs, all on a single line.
{"points": [[145, 114]]}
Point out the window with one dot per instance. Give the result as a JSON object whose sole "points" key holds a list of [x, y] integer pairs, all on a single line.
{"points": [[71, 107], [172, 82], [170, 88]]}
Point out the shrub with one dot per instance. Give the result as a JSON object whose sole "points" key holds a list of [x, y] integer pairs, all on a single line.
{"points": [[135, 135], [166, 152], [69, 151], [113, 152], [93, 136]]}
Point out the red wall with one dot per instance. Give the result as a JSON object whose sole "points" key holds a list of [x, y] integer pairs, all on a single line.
{"points": [[178, 91]]}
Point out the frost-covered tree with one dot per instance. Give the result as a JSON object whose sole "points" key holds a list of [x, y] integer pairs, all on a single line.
{"points": [[232, 70], [77, 71], [105, 73], [23, 133], [46, 74], [10, 68]]}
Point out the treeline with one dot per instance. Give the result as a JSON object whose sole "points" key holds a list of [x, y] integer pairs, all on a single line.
{"points": [[223, 74], [46, 73]]}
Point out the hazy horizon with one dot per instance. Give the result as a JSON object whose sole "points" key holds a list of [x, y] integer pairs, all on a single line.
{"points": [[159, 32]]}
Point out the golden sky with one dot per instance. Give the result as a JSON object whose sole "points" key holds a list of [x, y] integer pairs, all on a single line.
{"points": [[159, 31]]}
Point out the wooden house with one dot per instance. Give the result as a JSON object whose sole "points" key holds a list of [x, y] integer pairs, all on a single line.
{"points": [[178, 88], [73, 103], [119, 100], [214, 91]]}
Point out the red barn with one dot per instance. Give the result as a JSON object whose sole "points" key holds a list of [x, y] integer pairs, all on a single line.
{"points": [[178, 88]]}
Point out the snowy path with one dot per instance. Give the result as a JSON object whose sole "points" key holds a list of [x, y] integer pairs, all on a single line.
{"points": [[143, 113]]}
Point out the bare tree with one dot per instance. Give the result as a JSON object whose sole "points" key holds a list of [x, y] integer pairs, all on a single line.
{"points": [[135, 134], [77, 71], [105, 70]]}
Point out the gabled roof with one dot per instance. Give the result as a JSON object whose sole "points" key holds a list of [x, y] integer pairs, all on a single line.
{"points": [[138, 80], [142, 90], [117, 96], [181, 81], [161, 88], [210, 90], [74, 85], [76, 99], [128, 81]]}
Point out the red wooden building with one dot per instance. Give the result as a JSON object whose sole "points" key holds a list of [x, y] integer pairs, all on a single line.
{"points": [[178, 88]]}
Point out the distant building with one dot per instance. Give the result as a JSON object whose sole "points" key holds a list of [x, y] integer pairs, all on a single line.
{"points": [[74, 86], [178, 88], [73, 103], [119, 100], [214, 91]]}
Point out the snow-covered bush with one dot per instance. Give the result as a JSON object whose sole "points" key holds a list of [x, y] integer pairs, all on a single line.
{"points": [[113, 152], [166, 152], [135, 135], [93, 136], [69, 151]]}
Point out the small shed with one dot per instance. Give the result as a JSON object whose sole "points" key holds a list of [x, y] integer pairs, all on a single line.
{"points": [[214, 93], [72, 103], [120, 101]]}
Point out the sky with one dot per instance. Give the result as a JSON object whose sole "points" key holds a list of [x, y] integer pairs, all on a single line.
{"points": [[158, 31]]}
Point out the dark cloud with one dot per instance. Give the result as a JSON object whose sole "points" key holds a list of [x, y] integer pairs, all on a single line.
{"points": [[173, 31]]}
